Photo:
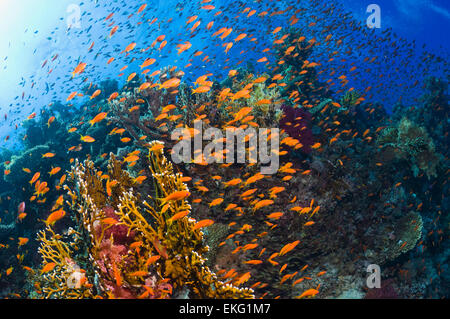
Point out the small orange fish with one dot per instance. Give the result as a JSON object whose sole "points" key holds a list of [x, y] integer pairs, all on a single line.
{"points": [[308, 293], [23, 241], [95, 94], [130, 47], [87, 139], [242, 279], [152, 260], [54, 171], [35, 177], [275, 215], [79, 69], [263, 203], [71, 96], [179, 215], [109, 221], [287, 248], [216, 202], [175, 196], [203, 223], [98, 118], [55, 216], [48, 267], [48, 155], [253, 262]]}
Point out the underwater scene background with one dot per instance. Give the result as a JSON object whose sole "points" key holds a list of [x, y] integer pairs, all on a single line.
{"points": [[93, 204]]}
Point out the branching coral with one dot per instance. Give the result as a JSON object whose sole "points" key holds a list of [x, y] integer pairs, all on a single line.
{"points": [[176, 241], [139, 109], [60, 277], [137, 249]]}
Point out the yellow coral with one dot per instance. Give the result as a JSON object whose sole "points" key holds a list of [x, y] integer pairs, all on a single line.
{"points": [[179, 244], [166, 251], [56, 283]]}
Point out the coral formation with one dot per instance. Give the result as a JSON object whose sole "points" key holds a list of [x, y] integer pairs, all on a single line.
{"points": [[356, 185], [412, 143], [136, 249]]}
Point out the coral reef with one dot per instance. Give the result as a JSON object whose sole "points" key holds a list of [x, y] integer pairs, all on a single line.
{"points": [[297, 124], [343, 197], [412, 143], [135, 249]]}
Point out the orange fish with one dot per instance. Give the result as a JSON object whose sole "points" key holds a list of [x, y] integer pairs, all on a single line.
{"points": [[308, 293], [54, 171], [275, 215], [130, 47], [175, 196], [242, 279], [55, 216], [87, 139], [71, 96], [79, 69], [253, 262], [203, 223], [48, 155], [50, 121], [48, 267], [152, 260], [35, 177], [98, 118], [148, 62], [216, 202], [142, 7], [287, 248], [179, 215], [113, 30], [23, 241], [95, 94], [262, 203]]}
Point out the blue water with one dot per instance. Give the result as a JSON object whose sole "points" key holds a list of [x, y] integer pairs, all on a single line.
{"points": [[37, 33]]}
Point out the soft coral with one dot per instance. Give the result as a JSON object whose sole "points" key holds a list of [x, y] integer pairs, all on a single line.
{"points": [[299, 127]]}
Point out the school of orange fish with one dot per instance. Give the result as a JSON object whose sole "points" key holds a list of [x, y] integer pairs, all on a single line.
{"points": [[205, 37]]}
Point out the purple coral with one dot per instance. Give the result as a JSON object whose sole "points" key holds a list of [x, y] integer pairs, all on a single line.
{"points": [[386, 291], [296, 122]]}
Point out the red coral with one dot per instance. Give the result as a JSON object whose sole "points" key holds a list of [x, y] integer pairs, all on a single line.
{"points": [[119, 232], [296, 122], [116, 252]]}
